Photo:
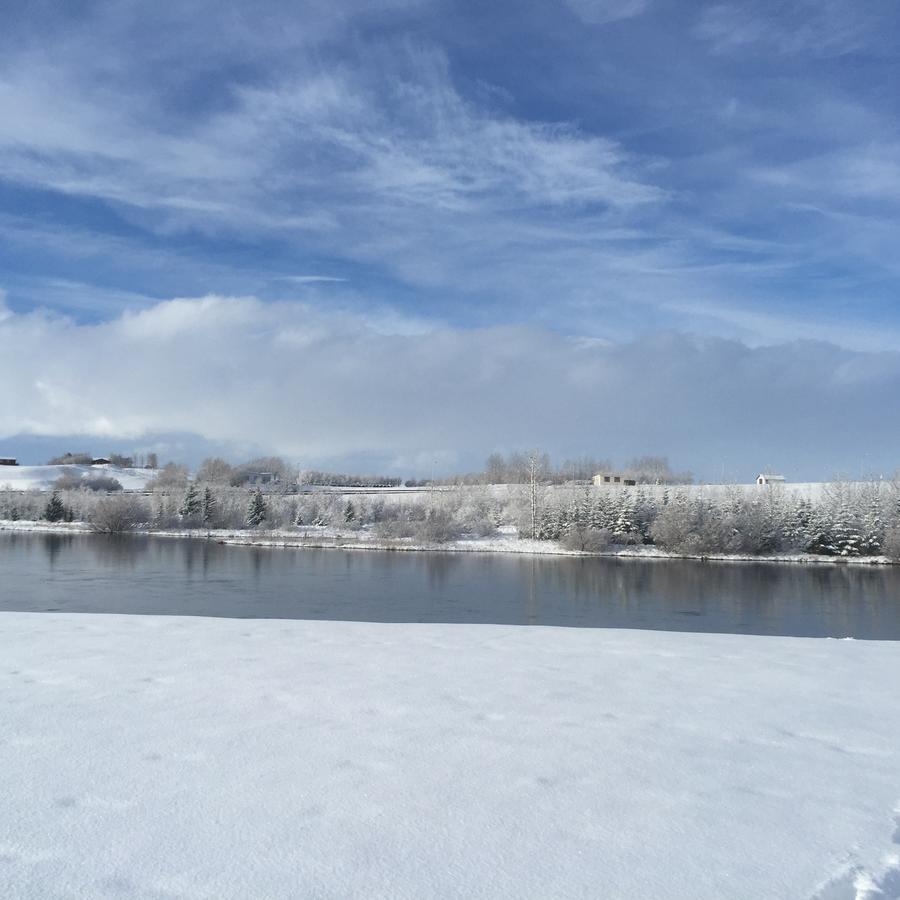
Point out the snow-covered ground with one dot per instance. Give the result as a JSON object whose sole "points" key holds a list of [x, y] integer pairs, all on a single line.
{"points": [[154, 757], [41, 478]]}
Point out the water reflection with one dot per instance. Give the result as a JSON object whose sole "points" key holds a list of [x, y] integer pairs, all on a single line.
{"points": [[116, 550], [171, 576], [53, 545]]}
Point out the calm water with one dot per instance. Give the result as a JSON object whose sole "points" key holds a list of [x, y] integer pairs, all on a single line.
{"points": [[181, 577]]}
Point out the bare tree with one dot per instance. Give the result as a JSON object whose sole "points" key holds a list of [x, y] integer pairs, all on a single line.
{"points": [[116, 514], [215, 470]]}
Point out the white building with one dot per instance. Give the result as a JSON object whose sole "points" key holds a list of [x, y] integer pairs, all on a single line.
{"points": [[259, 478], [767, 478]]}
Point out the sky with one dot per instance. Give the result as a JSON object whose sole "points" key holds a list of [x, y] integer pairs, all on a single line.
{"points": [[392, 234]]}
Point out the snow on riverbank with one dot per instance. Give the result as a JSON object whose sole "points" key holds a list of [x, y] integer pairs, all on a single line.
{"points": [[157, 757], [506, 541]]}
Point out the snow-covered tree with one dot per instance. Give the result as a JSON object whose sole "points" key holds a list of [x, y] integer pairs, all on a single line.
{"points": [[208, 506], [191, 504], [257, 511], [55, 510], [873, 527]]}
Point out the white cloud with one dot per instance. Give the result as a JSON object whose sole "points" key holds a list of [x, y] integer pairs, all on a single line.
{"points": [[868, 173], [320, 385], [813, 27], [310, 279], [600, 12]]}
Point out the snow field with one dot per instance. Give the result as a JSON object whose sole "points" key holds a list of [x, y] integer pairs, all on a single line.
{"points": [[41, 478], [154, 757]]}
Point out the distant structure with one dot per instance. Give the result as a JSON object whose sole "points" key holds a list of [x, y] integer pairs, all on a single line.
{"points": [[100, 461], [258, 478], [602, 478], [766, 478], [8, 461]]}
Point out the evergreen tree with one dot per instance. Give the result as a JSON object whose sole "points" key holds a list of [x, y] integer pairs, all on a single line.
{"points": [[562, 521], [821, 534], [191, 505], [798, 526], [846, 533], [349, 512], [601, 512], [873, 528], [497, 514], [644, 514], [208, 505], [626, 527], [317, 517], [582, 510], [548, 524], [257, 510], [55, 510]]}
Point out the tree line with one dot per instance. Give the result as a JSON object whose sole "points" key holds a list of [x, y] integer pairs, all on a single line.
{"points": [[846, 520]]}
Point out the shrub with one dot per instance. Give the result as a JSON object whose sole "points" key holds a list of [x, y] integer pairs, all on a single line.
{"points": [[891, 545], [587, 539], [99, 483], [71, 459], [394, 529], [476, 515], [438, 527], [117, 514], [68, 481], [693, 528]]}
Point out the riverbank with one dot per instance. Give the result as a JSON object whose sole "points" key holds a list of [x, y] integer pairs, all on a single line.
{"points": [[160, 756], [506, 541]]}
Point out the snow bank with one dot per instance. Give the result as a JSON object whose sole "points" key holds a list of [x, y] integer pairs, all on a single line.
{"points": [[41, 478], [157, 757]]}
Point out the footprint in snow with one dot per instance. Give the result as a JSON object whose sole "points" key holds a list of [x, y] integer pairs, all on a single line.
{"points": [[858, 884]]}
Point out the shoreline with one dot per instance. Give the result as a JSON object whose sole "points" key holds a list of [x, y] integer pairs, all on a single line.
{"points": [[503, 544]]}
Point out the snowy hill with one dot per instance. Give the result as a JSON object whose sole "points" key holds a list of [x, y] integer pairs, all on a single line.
{"points": [[41, 478]]}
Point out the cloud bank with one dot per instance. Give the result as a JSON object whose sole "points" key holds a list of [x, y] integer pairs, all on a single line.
{"points": [[320, 386]]}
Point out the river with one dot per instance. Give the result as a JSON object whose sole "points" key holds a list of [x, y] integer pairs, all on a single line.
{"points": [[170, 576]]}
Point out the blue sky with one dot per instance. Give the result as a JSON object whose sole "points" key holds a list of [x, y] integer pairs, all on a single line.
{"points": [[612, 190]]}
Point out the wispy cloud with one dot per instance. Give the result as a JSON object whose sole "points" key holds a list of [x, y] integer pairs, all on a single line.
{"points": [[293, 154]]}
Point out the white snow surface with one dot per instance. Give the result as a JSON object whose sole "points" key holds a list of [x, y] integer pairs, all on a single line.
{"points": [[41, 478], [158, 757]]}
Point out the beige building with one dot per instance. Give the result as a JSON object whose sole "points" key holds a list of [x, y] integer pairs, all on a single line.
{"points": [[610, 478]]}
